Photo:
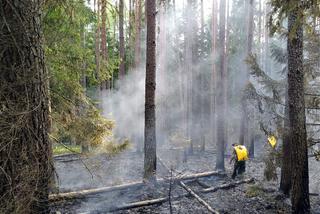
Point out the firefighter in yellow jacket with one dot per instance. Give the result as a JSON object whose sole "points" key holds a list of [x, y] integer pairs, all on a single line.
{"points": [[239, 156]]}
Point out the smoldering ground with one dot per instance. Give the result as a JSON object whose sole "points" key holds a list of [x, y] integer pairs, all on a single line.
{"points": [[125, 105]]}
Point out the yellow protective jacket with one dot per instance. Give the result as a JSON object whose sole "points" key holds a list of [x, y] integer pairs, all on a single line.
{"points": [[272, 141], [241, 152]]}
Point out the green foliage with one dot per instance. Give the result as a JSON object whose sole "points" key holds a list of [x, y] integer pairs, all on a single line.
{"points": [[112, 148], [281, 9], [70, 57], [88, 128], [60, 150]]}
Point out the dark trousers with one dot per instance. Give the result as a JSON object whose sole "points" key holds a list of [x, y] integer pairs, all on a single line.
{"points": [[239, 168]]}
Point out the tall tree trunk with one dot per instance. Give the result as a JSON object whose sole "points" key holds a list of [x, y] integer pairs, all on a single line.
{"points": [[121, 41], [226, 91], [260, 31], [188, 69], [83, 82], [202, 90], [297, 118], [244, 126], [250, 33], [97, 38], [26, 152], [194, 84], [103, 31], [104, 51], [191, 60], [150, 146], [266, 40], [137, 48], [250, 28], [285, 183], [214, 75], [221, 104], [162, 124]]}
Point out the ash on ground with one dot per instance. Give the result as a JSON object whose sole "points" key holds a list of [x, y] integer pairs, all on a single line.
{"points": [[259, 197]]}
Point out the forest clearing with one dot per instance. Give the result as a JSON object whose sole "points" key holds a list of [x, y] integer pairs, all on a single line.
{"points": [[159, 106]]}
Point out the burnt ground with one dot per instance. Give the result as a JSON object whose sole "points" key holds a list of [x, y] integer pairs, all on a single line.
{"points": [[259, 197]]}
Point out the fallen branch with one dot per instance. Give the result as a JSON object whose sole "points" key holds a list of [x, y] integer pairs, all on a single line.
{"points": [[201, 201], [83, 193], [141, 204], [202, 184], [73, 151], [227, 186], [189, 190], [164, 199]]}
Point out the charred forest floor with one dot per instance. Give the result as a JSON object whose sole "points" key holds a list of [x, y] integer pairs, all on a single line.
{"points": [[258, 197]]}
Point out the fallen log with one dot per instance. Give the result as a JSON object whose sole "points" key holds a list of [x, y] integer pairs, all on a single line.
{"points": [[140, 204], [227, 186], [189, 190], [201, 201], [164, 199], [83, 193]]}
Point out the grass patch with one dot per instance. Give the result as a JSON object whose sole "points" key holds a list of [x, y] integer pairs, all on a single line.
{"points": [[254, 191], [60, 150]]}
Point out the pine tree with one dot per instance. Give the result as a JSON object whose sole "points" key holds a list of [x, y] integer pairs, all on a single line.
{"points": [[297, 120], [25, 156], [150, 146], [121, 40], [221, 84], [137, 43], [214, 70]]}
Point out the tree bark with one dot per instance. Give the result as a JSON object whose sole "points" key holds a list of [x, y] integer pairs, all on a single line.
{"points": [[250, 33], [104, 51], [103, 31], [260, 31], [150, 146], [221, 104], [214, 71], [245, 136], [226, 71], [162, 124], [26, 152], [137, 48], [266, 42], [97, 38], [121, 41], [188, 70], [202, 89], [297, 119], [285, 183]]}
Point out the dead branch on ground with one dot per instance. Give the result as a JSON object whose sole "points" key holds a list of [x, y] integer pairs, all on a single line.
{"points": [[201, 201]]}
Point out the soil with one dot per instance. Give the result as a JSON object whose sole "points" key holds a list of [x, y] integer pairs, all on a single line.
{"points": [[259, 197]]}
